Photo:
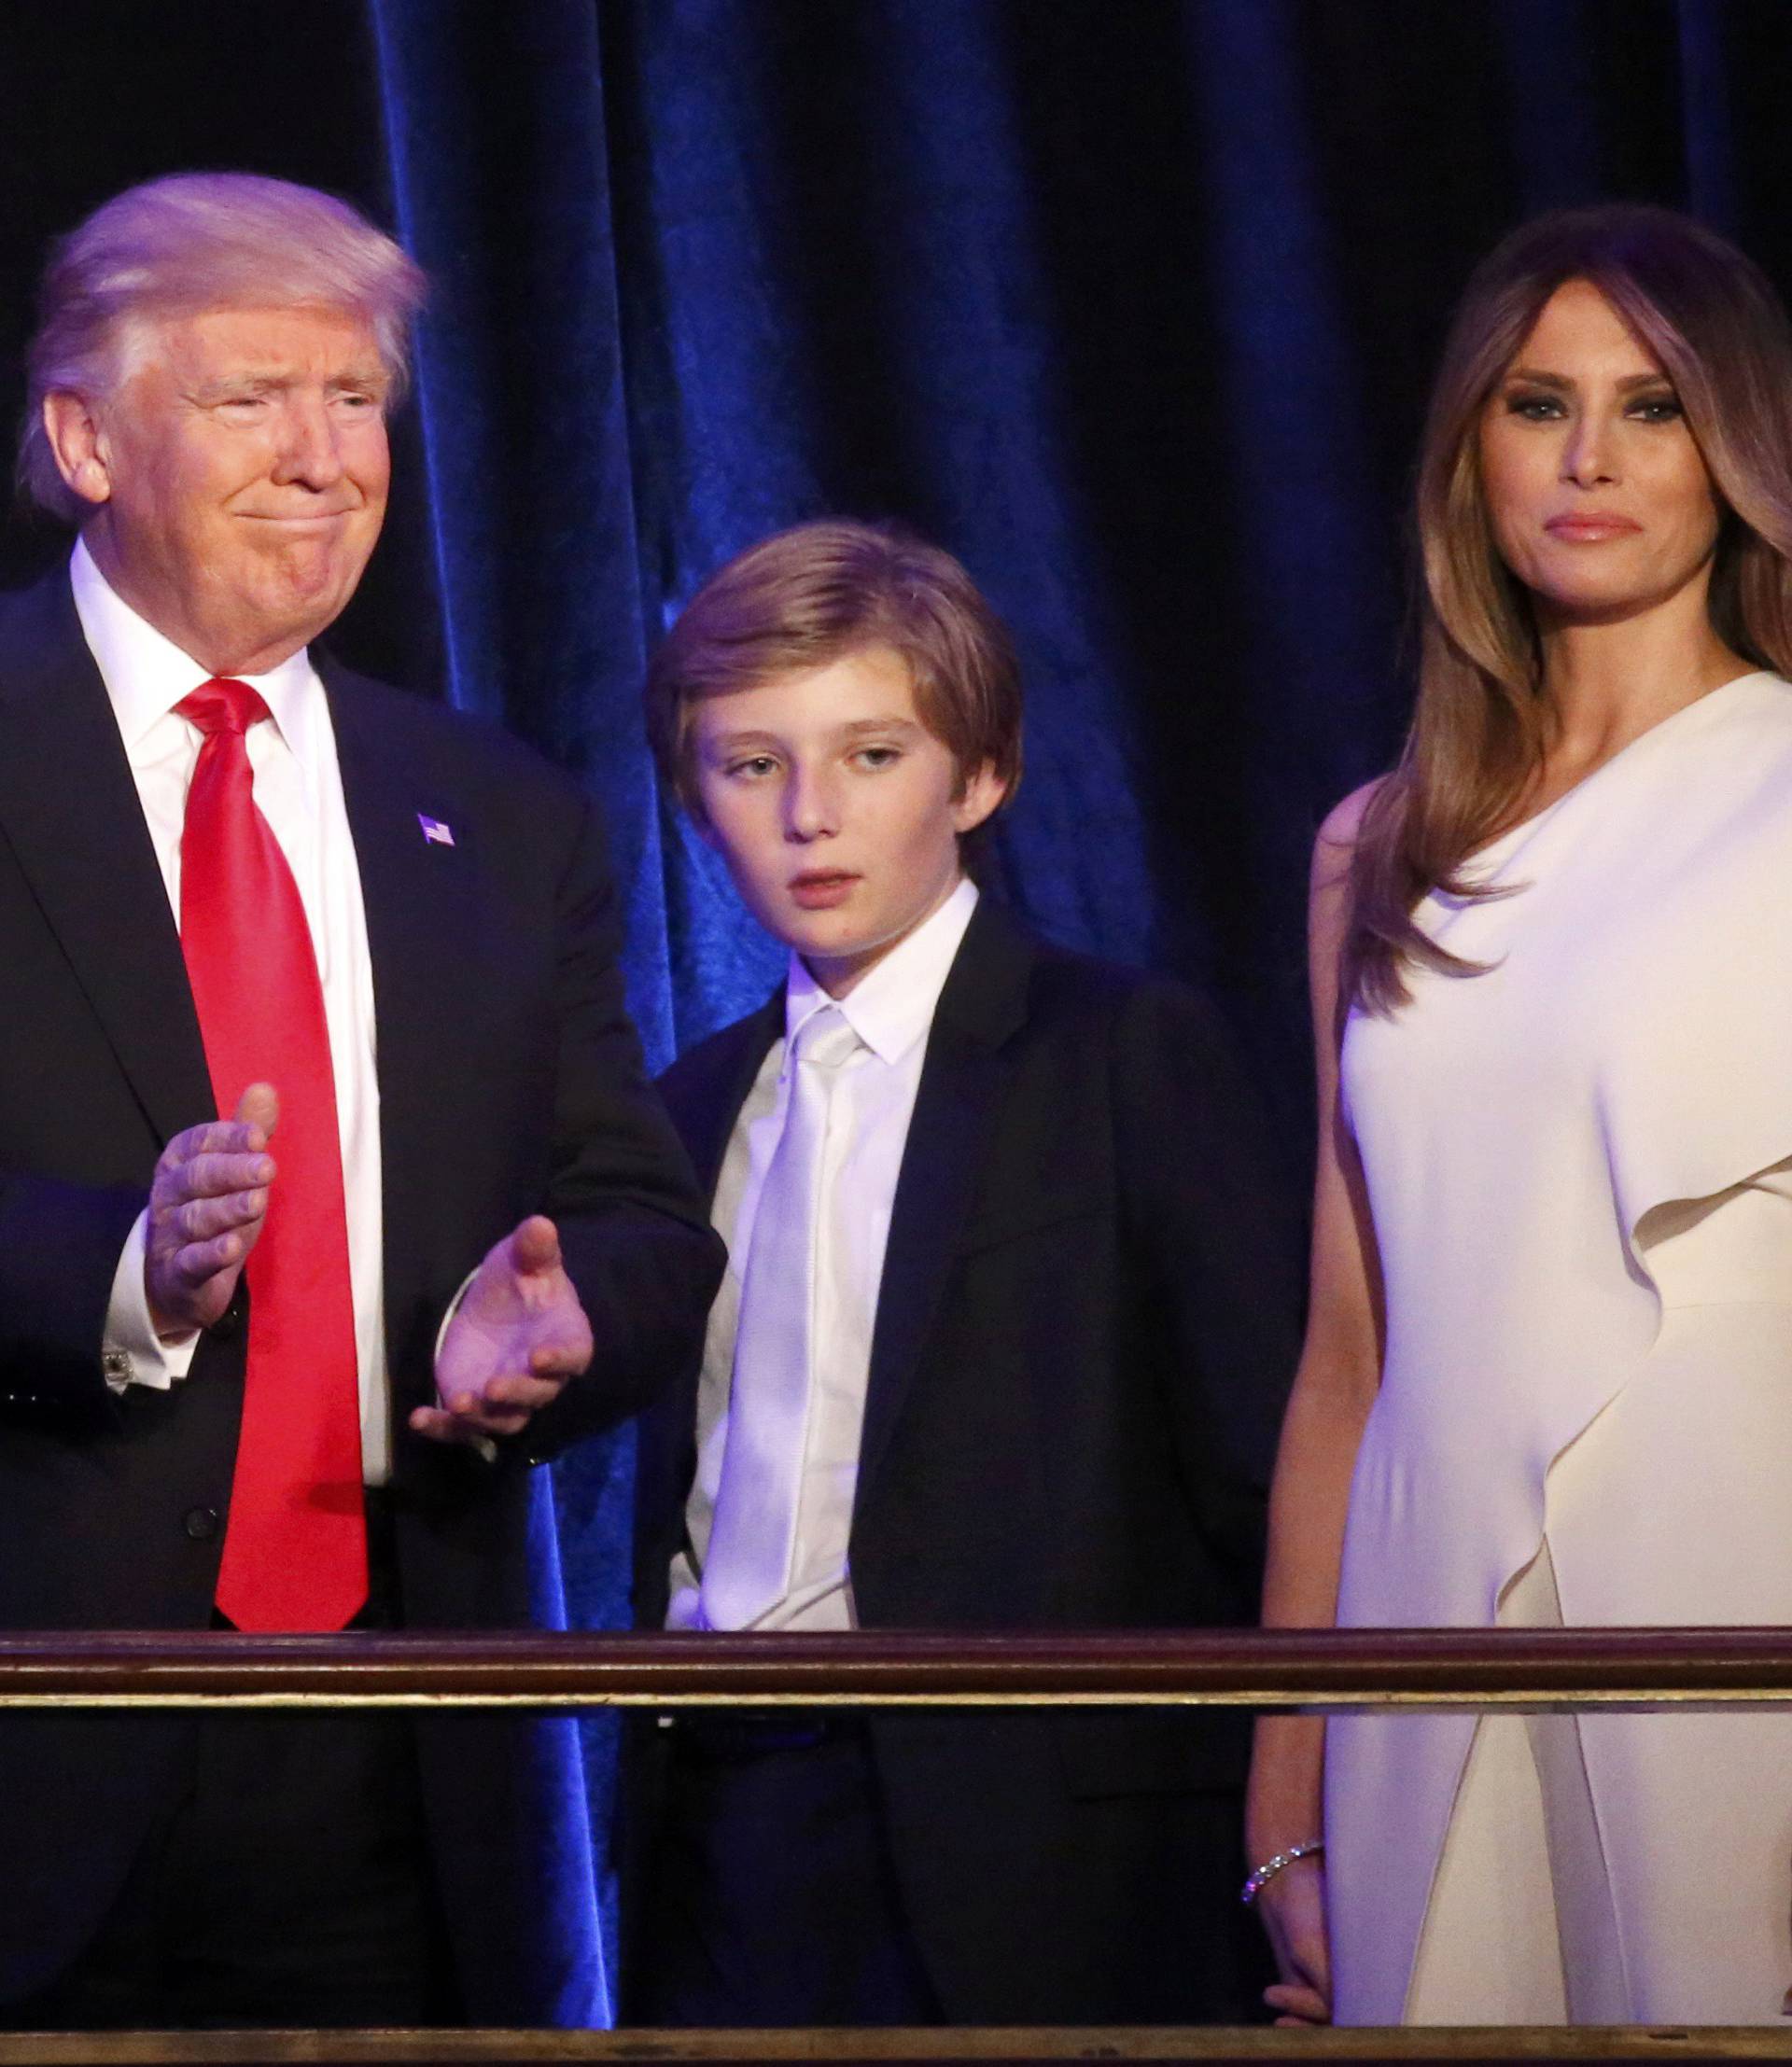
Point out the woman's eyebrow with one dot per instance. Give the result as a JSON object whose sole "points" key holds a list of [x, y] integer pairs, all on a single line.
{"points": [[1536, 377]]}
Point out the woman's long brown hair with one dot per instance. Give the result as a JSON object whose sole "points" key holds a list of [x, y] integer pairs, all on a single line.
{"points": [[1477, 738]]}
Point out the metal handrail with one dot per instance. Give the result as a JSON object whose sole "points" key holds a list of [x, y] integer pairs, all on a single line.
{"points": [[1402, 1669]]}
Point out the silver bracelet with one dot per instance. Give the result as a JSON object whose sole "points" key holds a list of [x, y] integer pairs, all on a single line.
{"points": [[1265, 1873]]}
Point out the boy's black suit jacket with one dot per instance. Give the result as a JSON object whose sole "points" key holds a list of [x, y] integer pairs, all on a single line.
{"points": [[509, 1082], [1084, 1335]]}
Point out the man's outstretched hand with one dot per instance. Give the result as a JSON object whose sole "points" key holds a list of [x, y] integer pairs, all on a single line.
{"points": [[208, 1202], [516, 1337]]}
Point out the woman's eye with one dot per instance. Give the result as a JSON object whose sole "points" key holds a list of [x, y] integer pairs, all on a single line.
{"points": [[1657, 409], [1533, 408]]}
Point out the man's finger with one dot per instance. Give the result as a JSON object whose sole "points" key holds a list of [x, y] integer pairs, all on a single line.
{"points": [[196, 1263], [215, 1175], [561, 1359], [443, 1425], [213, 1137], [200, 1218], [513, 1390], [489, 1417]]}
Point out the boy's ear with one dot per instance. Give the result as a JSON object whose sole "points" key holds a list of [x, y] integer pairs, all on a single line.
{"points": [[983, 792]]}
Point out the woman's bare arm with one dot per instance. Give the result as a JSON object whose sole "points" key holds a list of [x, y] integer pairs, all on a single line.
{"points": [[1333, 1388]]}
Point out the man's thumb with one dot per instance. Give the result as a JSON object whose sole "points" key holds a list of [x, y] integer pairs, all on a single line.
{"points": [[259, 1106], [535, 1245]]}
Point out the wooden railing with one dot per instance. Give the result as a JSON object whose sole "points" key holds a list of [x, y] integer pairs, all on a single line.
{"points": [[1330, 1669], [1220, 2047], [1401, 1669]]}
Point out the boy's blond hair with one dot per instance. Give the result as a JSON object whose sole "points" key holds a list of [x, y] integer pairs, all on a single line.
{"points": [[808, 597]]}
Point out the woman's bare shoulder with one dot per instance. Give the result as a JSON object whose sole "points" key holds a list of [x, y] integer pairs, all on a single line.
{"points": [[1342, 824], [1338, 837]]}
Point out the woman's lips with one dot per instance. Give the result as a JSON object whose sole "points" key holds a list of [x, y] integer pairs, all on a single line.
{"points": [[1589, 527], [820, 889]]}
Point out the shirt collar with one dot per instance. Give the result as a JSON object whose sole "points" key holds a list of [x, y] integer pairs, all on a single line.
{"points": [[892, 1007], [146, 674]]}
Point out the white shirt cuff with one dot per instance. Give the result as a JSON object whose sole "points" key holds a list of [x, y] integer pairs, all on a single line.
{"points": [[133, 1353]]}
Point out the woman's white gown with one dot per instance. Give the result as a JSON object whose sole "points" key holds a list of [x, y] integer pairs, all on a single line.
{"points": [[1577, 1167]]}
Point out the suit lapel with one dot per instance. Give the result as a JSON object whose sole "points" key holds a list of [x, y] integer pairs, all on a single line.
{"points": [[983, 1003], [416, 891], [69, 808]]}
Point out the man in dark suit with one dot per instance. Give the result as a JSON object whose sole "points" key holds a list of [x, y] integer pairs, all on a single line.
{"points": [[332, 1196], [1021, 1369]]}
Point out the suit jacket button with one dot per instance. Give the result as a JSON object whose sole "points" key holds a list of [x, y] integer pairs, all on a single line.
{"points": [[200, 1523]]}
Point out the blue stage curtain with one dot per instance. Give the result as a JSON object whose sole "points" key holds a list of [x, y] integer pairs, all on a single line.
{"points": [[1132, 306]]}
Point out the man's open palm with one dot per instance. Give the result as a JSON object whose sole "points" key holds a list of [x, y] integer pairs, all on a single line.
{"points": [[518, 1335]]}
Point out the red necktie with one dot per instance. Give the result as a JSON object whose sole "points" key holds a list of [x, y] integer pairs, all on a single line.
{"points": [[295, 1546]]}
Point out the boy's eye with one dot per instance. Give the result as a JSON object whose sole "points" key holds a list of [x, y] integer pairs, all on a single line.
{"points": [[752, 766], [878, 757]]}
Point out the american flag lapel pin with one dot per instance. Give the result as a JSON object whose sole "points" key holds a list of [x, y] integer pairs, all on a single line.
{"points": [[436, 829]]}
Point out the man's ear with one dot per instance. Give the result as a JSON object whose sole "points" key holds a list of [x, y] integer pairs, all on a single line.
{"points": [[77, 445], [984, 791]]}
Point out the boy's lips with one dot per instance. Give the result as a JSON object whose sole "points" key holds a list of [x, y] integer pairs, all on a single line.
{"points": [[817, 889]]}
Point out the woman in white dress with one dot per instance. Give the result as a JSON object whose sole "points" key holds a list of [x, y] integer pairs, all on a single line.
{"points": [[1548, 1376]]}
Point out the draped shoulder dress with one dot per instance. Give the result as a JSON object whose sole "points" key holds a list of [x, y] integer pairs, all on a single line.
{"points": [[1579, 1168]]}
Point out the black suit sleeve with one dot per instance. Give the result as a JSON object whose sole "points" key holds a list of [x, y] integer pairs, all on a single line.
{"points": [[58, 1253], [1209, 1204], [637, 1240]]}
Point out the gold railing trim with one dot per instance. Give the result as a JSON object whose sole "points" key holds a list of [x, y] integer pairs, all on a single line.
{"points": [[1211, 2046], [1407, 1669], [1529, 1701]]}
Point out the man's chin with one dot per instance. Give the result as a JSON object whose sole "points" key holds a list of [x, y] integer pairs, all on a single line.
{"points": [[306, 579], [268, 620]]}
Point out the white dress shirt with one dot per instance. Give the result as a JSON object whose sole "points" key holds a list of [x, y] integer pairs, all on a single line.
{"points": [[298, 790], [891, 1011]]}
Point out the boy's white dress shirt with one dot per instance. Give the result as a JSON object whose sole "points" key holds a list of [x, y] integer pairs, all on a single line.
{"points": [[891, 1011]]}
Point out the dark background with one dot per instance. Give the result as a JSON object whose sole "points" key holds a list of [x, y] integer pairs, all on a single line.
{"points": [[1132, 304]]}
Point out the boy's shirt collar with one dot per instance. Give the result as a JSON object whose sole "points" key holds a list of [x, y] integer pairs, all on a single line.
{"points": [[892, 1007]]}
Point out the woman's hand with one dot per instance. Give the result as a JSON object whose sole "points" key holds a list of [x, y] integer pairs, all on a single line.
{"points": [[1293, 1910]]}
